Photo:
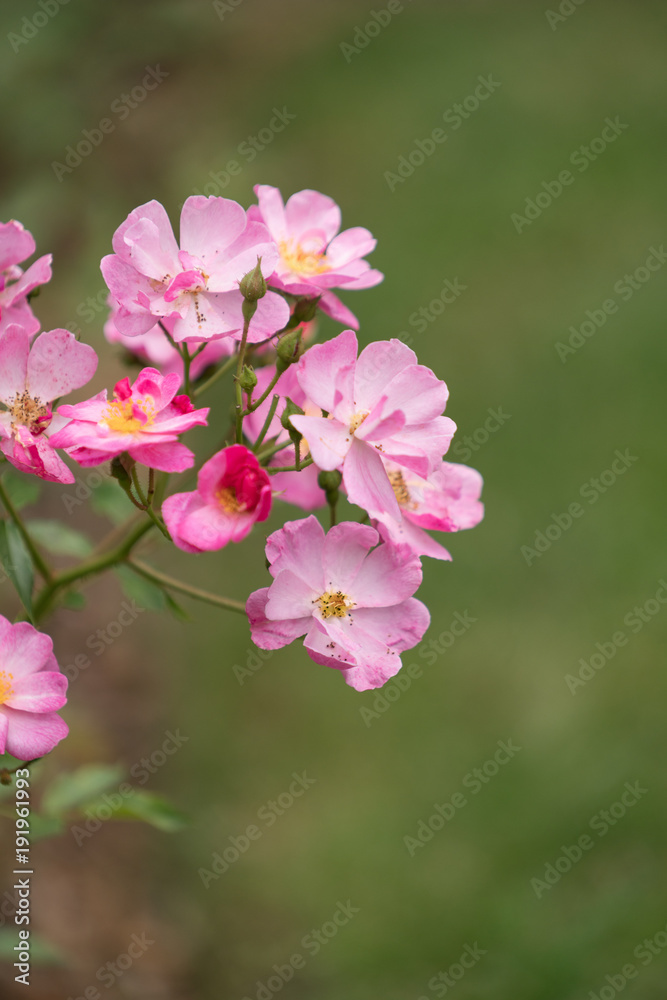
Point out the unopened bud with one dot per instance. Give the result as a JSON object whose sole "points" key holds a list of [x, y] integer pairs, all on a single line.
{"points": [[289, 350], [329, 481], [252, 285], [121, 467], [248, 379], [304, 310], [291, 410]]}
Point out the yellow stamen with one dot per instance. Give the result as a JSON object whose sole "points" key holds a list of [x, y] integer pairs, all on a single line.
{"points": [[357, 420], [303, 261], [334, 604], [6, 689], [226, 497], [27, 410], [119, 416]]}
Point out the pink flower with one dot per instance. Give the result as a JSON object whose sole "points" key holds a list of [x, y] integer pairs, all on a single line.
{"points": [[30, 379], [447, 501], [155, 348], [354, 605], [314, 256], [32, 689], [233, 492], [382, 403], [300, 488], [16, 244], [197, 286], [143, 419]]}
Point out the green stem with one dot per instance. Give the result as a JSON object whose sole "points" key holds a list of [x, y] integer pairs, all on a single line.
{"points": [[267, 423], [271, 469], [239, 369], [89, 567], [222, 370], [258, 402], [37, 559], [184, 588]]}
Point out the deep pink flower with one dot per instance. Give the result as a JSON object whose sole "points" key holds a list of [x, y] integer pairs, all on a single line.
{"points": [[30, 379], [197, 285], [16, 244], [32, 689], [354, 605], [447, 501], [154, 347], [300, 488], [381, 404], [314, 256], [233, 492], [143, 419]]}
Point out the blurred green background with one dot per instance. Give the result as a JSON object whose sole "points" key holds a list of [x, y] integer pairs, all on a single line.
{"points": [[378, 775]]}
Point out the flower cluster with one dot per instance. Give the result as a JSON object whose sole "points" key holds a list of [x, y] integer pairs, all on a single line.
{"points": [[313, 425]]}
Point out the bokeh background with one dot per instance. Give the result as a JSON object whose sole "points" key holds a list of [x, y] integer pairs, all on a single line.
{"points": [[379, 773]]}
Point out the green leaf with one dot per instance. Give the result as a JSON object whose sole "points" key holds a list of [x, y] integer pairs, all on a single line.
{"points": [[79, 787], [17, 563], [74, 600], [59, 539], [41, 951], [23, 489], [146, 593], [152, 809], [176, 609], [109, 500]]}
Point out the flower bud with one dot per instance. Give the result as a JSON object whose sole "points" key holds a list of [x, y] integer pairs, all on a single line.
{"points": [[289, 350], [329, 481], [252, 285], [305, 310], [248, 379], [291, 410], [121, 467]]}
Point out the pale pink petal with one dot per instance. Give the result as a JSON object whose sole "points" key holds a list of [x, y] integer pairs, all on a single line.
{"points": [[297, 546], [290, 597], [317, 369], [419, 393], [348, 245], [272, 210], [405, 532], [309, 210], [23, 650], [37, 274], [345, 548], [168, 457], [58, 363], [31, 735], [328, 440], [388, 576], [332, 306], [272, 634], [45, 691], [173, 510], [14, 350], [367, 482], [16, 244], [146, 240], [208, 226], [378, 364]]}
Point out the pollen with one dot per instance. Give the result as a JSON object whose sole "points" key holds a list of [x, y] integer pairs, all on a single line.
{"points": [[30, 411], [357, 420], [401, 490], [6, 688], [230, 503], [120, 416], [334, 604], [303, 261]]}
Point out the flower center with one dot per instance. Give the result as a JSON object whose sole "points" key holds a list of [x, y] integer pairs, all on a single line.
{"points": [[31, 412], [334, 604], [303, 261], [226, 497], [127, 416], [357, 420], [401, 490], [6, 689]]}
